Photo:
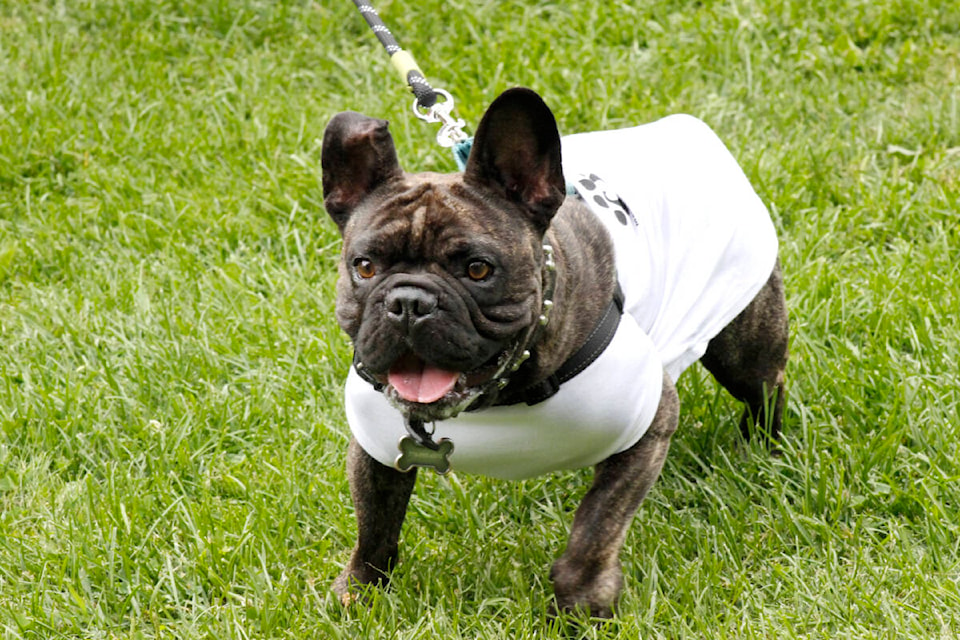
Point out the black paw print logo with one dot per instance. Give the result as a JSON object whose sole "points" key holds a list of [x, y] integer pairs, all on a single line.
{"points": [[605, 197]]}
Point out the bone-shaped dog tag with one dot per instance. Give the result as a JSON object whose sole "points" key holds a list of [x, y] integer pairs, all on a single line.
{"points": [[413, 454]]}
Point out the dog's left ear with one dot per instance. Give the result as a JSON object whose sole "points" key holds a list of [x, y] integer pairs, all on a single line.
{"points": [[516, 152], [357, 157]]}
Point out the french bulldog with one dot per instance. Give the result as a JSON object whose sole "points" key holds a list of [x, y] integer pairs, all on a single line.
{"points": [[535, 329]]}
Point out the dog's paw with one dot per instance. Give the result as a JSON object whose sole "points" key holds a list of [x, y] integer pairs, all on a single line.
{"points": [[354, 584], [586, 588]]}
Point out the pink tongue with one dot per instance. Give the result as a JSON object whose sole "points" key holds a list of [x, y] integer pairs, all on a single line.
{"points": [[417, 381]]}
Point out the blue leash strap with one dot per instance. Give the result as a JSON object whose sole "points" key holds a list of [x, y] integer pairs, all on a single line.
{"points": [[461, 152]]}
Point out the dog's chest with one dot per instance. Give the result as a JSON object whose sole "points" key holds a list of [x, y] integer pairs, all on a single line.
{"points": [[602, 411]]}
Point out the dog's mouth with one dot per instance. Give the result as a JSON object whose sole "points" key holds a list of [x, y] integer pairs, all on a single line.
{"points": [[417, 381], [430, 392]]}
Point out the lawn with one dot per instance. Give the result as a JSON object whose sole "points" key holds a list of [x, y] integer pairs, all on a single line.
{"points": [[172, 438]]}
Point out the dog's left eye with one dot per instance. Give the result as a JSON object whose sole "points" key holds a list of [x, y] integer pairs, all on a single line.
{"points": [[479, 270]]}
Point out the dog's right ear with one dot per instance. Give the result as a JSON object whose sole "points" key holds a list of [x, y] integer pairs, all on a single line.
{"points": [[357, 157]]}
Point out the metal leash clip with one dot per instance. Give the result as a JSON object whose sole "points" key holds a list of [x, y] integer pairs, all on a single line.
{"points": [[451, 129]]}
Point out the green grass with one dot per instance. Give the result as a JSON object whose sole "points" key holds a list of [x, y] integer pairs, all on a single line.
{"points": [[171, 431]]}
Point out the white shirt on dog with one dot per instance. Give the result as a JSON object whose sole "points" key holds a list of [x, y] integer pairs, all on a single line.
{"points": [[699, 244], [694, 244]]}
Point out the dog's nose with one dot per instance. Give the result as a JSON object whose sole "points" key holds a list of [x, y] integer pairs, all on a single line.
{"points": [[408, 304]]}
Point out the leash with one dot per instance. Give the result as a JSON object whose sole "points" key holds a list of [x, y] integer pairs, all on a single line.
{"points": [[426, 103]]}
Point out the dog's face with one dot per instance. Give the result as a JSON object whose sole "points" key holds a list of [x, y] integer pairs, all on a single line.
{"points": [[441, 275]]}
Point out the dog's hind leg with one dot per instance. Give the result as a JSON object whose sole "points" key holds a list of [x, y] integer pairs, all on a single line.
{"points": [[587, 577], [749, 358], [380, 496]]}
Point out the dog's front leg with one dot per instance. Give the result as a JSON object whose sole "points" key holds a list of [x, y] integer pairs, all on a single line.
{"points": [[587, 576], [380, 496]]}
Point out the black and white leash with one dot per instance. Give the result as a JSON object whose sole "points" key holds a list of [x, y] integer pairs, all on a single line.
{"points": [[426, 103]]}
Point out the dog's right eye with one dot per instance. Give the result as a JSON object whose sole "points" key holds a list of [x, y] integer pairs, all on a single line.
{"points": [[365, 269]]}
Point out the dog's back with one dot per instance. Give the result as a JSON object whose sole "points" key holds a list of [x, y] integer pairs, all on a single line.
{"points": [[693, 241]]}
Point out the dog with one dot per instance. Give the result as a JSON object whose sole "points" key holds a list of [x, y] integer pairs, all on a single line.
{"points": [[535, 329]]}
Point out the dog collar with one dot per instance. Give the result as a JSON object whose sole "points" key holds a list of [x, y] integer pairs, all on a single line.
{"points": [[598, 340]]}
